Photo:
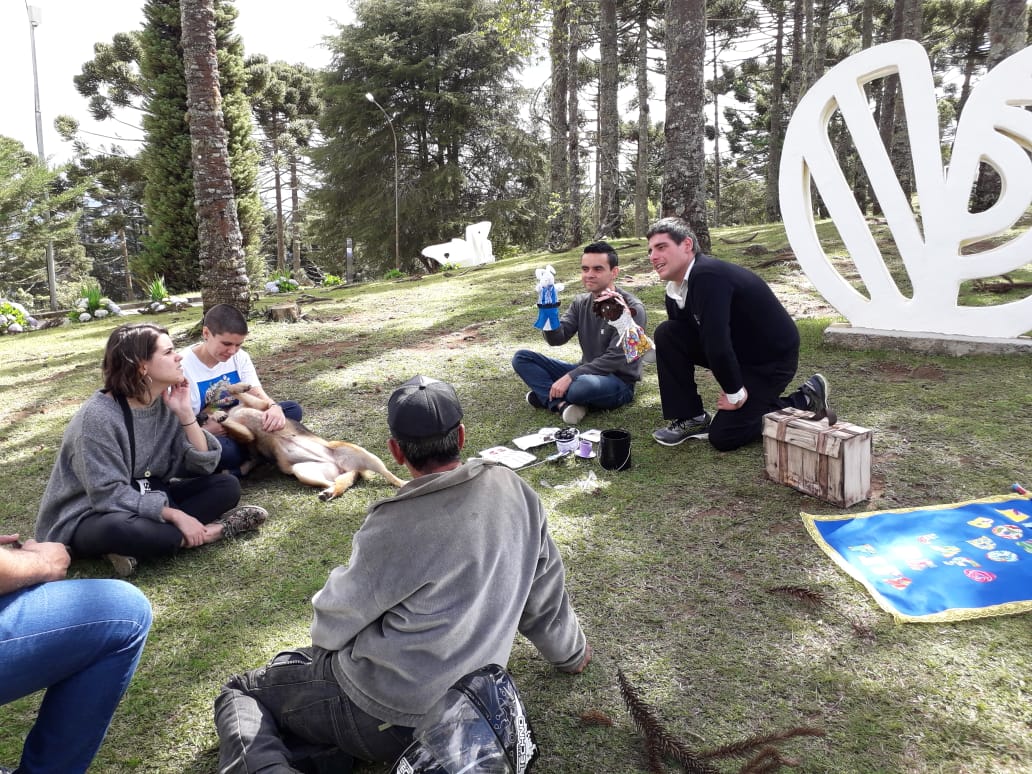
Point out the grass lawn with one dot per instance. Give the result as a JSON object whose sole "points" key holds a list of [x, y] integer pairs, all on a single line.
{"points": [[670, 564]]}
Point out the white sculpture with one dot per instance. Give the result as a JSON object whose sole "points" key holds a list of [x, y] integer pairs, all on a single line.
{"points": [[471, 251], [994, 128]]}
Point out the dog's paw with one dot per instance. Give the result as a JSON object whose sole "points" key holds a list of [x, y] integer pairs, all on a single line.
{"points": [[220, 416], [327, 494], [239, 387]]}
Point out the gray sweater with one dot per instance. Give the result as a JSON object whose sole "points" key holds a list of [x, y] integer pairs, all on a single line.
{"points": [[441, 578], [91, 475], [601, 352]]}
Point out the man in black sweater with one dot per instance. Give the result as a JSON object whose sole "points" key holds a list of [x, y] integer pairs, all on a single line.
{"points": [[724, 318]]}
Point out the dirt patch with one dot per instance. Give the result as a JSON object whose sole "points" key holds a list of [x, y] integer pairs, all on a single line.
{"points": [[900, 372], [287, 358], [48, 408], [464, 337], [930, 372]]}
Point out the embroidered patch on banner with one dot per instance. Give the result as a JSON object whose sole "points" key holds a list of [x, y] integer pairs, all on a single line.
{"points": [[937, 563]]}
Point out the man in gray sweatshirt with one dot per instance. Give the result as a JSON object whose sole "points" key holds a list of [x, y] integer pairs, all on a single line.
{"points": [[441, 578], [603, 379]]}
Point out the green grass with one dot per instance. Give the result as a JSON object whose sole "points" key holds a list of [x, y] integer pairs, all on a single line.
{"points": [[669, 563]]}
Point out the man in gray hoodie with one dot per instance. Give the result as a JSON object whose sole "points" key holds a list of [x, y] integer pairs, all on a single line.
{"points": [[441, 578]]}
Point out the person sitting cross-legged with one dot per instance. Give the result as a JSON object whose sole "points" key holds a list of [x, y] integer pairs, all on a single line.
{"points": [[603, 379], [413, 610], [213, 365], [135, 475]]}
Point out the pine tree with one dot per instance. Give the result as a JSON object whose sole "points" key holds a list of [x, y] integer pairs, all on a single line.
{"points": [[171, 247], [221, 258], [443, 74]]}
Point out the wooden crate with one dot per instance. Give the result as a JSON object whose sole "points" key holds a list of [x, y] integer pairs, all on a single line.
{"points": [[832, 463]]}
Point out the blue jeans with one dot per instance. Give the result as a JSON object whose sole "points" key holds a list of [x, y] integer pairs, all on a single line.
{"points": [[292, 710], [596, 391], [234, 455], [80, 640]]}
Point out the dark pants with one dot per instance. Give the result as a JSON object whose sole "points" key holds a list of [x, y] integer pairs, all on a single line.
{"points": [[276, 718], [679, 351], [205, 498]]}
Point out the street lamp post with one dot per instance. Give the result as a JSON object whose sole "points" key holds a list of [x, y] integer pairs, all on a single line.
{"points": [[35, 18], [397, 228]]}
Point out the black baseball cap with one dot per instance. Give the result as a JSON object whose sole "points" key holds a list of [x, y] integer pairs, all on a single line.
{"points": [[423, 407]]}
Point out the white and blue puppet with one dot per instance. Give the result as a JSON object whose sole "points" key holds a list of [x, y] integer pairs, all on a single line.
{"points": [[548, 299]]}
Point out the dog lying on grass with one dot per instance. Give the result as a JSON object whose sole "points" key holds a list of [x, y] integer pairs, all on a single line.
{"points": [[332, 465]]}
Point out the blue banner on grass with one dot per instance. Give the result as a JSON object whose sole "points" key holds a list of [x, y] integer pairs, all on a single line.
{"points": [[937, 563]]}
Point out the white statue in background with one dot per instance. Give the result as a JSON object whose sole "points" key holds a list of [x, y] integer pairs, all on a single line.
{"points": [[471, 251], [994, 128]]}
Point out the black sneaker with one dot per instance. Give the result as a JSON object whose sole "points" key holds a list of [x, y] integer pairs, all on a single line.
{"points": [[816, 390], [243, 518], [681, 430], [534, 400]]}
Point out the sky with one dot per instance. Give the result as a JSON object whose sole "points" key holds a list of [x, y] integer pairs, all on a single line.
{"points": [[292, 32]]}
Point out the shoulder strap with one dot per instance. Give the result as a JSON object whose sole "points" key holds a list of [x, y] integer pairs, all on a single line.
{"points": [[127, 414]]}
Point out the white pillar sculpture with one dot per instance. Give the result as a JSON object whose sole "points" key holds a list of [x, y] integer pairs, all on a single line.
{"points": [[994, 128]]}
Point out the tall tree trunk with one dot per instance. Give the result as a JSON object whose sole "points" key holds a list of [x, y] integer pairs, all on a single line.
{"points": [[795, 68], [223, 273], [684, 159], [775, 138], [609, 223], [559, 135], [641, 84], [809, 44], [1008, 34], [861, 189], [716, 137], [821, 49], [1008, 29], [295, 217], [573, 151], [901, 156], [277, 183], [123, 244], [890, 85]]}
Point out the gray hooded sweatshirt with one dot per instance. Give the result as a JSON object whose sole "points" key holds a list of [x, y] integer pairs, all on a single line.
{"points": [[441, 578]]}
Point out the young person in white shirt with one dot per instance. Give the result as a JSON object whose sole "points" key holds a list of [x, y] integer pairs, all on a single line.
{"points": [[219, 361]]}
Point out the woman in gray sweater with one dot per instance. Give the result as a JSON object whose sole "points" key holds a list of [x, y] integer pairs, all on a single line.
{"points": [[135, 473]]}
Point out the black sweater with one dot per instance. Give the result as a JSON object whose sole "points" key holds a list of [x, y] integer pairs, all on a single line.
{"points": [[738, 318]]}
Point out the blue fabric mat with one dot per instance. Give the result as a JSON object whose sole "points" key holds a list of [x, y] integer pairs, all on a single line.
{"points": [[940, 562]]}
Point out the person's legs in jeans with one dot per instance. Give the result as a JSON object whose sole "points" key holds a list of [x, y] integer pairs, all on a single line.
{"points": [[599, 391], [539, 372], [268, 718], [81, 641]]}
